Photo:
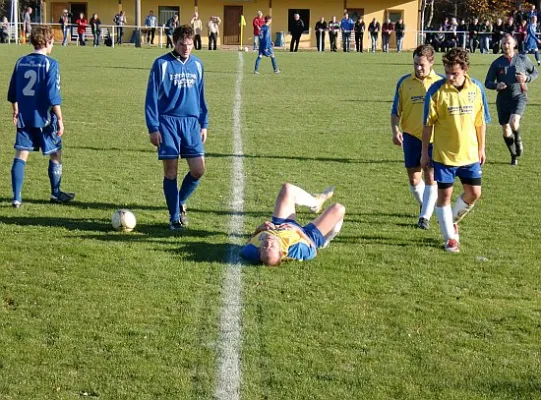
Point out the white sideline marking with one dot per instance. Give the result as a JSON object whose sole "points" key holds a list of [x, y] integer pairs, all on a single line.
{"points": [[229, 367]]}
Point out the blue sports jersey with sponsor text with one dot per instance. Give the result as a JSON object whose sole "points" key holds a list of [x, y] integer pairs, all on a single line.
{"points": [[35, 87], [175, 88]]}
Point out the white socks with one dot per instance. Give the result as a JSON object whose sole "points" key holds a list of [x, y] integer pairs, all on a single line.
{"points": [[445, 218], [332, 234], [460, 209], [303, 198], [417, 191], [430, 196]]}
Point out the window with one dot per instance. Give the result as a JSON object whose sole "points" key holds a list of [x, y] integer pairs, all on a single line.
{"points": [[356, 13], [165, 13], [394, 15], [304, 16]]}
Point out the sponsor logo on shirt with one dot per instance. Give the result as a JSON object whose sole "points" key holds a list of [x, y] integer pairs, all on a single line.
{"points": [[183, 79]]}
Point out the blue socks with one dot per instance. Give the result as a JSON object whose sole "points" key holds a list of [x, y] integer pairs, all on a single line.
{"points": [[257, 62], [170, 190], [536, 54], [189, 184], [274, 64], [17, 178], [55, 177]]}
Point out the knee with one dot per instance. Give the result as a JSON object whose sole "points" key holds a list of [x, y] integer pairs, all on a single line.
{"points": [[198, 173], [507, 130], [170, 172], [286, 188], [514, 124], [339, 210]]}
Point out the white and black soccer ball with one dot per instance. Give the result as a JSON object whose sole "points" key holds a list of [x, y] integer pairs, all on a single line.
{"points": [[246, 49], [123, 220]]}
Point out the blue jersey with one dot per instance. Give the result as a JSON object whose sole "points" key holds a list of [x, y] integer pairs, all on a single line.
{"points": [[175, 88], [35, 87], [265, 39]]}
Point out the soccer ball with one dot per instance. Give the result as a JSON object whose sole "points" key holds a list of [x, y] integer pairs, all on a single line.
{"points": [[246, 49], [123, 220]]}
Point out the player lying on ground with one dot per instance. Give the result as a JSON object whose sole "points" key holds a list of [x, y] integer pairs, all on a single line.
{"points": [[509, 75], [283, 238], [456, 113], [34, 91]]}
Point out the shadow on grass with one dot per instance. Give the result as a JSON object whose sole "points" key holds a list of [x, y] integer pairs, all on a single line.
{"points": [[73, 224], [300, 158], [113, 149], [387, 241]]}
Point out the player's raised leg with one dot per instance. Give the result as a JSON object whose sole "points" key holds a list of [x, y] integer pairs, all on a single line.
{"points": [[291, 195], [330, 222]]}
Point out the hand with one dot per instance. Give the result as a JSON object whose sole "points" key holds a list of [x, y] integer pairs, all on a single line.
{"points": [[204, 135], [425, 160], [520, 77], [60, 126], [398, 139], [482, 157], [156, 138], [501, 86], [15, 118]]}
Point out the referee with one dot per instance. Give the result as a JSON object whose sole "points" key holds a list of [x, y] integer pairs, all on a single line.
{"points": [[509, 75]]}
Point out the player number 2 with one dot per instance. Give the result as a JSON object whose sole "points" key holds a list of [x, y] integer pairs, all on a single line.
{"points": [[32, 77]]}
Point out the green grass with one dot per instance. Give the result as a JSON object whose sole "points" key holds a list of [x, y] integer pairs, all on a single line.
{"points": [[383, 313]]}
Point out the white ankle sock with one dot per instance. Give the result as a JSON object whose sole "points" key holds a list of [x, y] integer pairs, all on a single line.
{"points": [[430, 195], [460, 209], [332, 234], [445, 219], [417, 192]]}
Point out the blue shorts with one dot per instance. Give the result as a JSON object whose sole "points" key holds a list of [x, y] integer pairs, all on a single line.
{"points": [[266, 52], [33, 139], [310, 230], [181, 137], [447, 173], [413, 147]]}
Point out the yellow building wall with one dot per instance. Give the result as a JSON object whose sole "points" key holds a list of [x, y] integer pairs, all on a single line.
{"points": [[279, 11]]}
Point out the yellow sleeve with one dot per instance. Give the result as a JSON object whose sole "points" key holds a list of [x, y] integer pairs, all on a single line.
{"points": [[480, 114]]}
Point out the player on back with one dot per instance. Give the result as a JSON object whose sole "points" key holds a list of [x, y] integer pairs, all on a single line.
{"points": [[456, 113], [509, 74], [284, 238], [407, 113], [34, 91], [265, 46], [177, 119]]}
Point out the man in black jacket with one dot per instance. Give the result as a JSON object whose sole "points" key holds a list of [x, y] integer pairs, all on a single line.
{"points": [[297, 28], [321, 27]]}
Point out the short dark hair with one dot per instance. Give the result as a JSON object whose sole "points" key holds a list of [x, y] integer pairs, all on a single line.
{"points": [[267, 18], [424, 50], [183, 32], [457, 55]]}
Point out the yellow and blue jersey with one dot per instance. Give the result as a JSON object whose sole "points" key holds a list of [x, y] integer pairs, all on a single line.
{"points": [[409, 100], [35, 87], [292, 245], [455, 115]]}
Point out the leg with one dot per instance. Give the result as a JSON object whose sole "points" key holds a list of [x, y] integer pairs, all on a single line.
{"points": [[330, 222], [514, 123], [445, 212], [17, 175], [416, 184], [274, 64], [465, 202], [191, 180], [257, 62], [510, 142], [289, 196], [430, 194], [170, 189]]}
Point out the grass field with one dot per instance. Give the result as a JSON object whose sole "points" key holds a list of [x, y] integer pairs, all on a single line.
{"points": [[383, 313]]}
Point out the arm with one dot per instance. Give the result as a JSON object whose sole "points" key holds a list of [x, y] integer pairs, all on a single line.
{"points": [[491, 78], [265, 226], [427, 135], [480, 131], [151, 105], [395, 116], [203, 116]]}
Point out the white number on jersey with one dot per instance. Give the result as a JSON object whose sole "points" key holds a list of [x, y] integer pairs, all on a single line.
{"points": [[32, 77]]}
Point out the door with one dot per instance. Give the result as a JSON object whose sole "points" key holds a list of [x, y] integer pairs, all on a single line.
{"points": [[394, 16], [231, 29], [356, 14], [57, 9]]}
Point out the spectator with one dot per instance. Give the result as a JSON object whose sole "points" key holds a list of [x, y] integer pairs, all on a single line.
{"points": [[197, 26], [82, 23], [473, 30], [95, 25], [150, 24], [297, 29], [334, 28], [374, 29], [359, 34], [27, 22], [532, 13], [451, 36], [446, 25], [522, 31], [531, 43], [485, 32], [170, 27], [257, 23], [120, 21], [509, 26], [346, 26], [438, 40], [4, 30], [65, 21], [461, 35], [321, 27], [399, 29], [386, 30], [214, 31], [498, 30]]}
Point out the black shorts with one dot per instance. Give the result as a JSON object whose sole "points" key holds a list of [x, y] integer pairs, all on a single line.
{"points": [[510, 105]]}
